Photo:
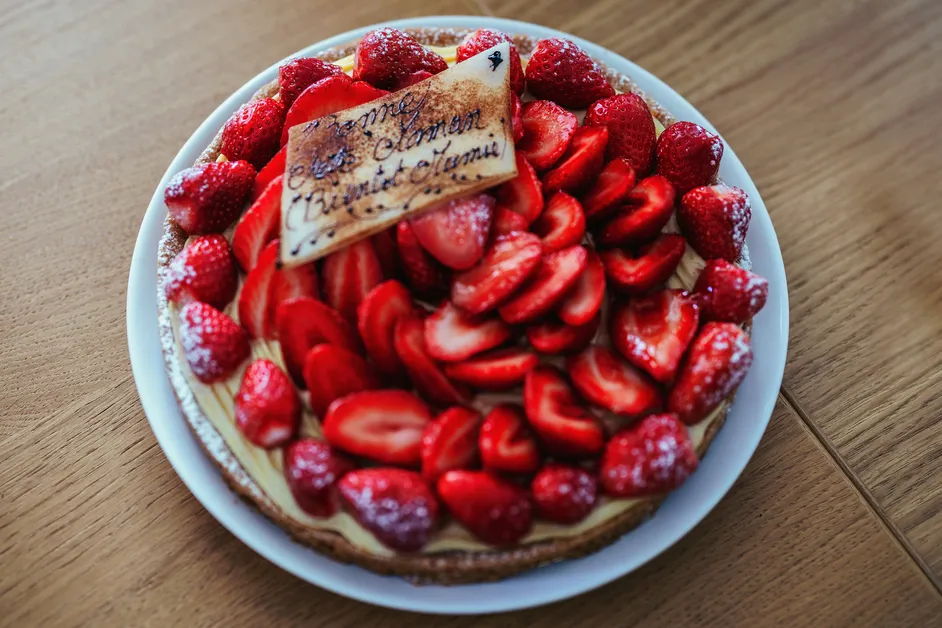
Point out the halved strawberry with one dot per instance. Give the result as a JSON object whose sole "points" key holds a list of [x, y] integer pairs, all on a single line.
{"points": [[328, 95], [524, 193], [331, 372], [497, 370], [206, 198], [653, 332], [585, 298], [649, 207], [516, 118], [580, 164], [730, 293], [612, 187], [213, 344], [507, 444], [376, 320], [562, 424], [651, 457], [387, 251], [561, 224], [252, 132], [557, 273], [203, 271], [483, 38], [303, 323], [455, 232], [606, 380], [492, 509], [426, 375], [312, 470], [716, 364], [450, 442], [547, 131], [425, 275], [564, 494], [266, 287], [383, 425], [267, 408], [409, 80], [349, 275], [296, 75], [688, 155], [273, 169], [506, 265], [553, 337], [259, 225], [452, 335], [561, 71], [652, 266], [630, 126], [715, 218], [387, 54], [507, 221]]}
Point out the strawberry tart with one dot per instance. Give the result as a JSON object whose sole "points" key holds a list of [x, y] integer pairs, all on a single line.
{"points": [[507, 378]]}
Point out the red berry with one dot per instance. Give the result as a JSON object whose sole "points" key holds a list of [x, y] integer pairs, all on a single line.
{"points": [[564, 494], [203, 271], [267, 409]]}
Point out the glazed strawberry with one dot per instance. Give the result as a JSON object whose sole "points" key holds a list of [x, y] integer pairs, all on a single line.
{"points": [[560, 71], [253, 132], [426, 375], [730, 293], [606, 380], [688, 155], [450, 442], [376, 320], [312, 470], [630, 129], [267, 409], [408, 81], [383, 425], [653, 331], [452, 335], [610, 190], [213, 344], [506, 265], [507, 444], [580, 164], [331, 372], [484, 38], [203, 271], [266, 287], [553, 337], [556, 274], [507, 221], [425, 275], [328, 95], [651, 267], [497, 370], [647, 209], [547, 131], [397, 506], [297, 75], [207, 197], [651, 457], [562, 223], [387, 251], [272, 170], [455, 232], [385, 55], [492, 509], [304, 323], [584, 300], [258, 226], [524, 193], [716, 364], [564, 494], [516, 118], [349, 274], [715, 219], [562, 424]]}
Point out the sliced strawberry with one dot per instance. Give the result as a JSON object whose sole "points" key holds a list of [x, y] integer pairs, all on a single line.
{"points": [[426, 375], [266, 287], [331, 372], [387, 54], [206, 198], [584, 300], [328, 95], [349, 275], [484, 38], [653, 265], [562, 424], [715, 218], [552, 337], [580, 164], [252, 132], [716, 364], [497, 370], [641, 219], [383, 425], [612, 187], [516, 118], [267, 408], [557, 273], [455, 232], [494, 510], [561, 71], [547, 131], [376, 320], [259, 225], [561, 224], [296, 75], [507, 444], [524, 193], [730, 293], [425, 275], [272, 170], [507, 221], [450, 442], [387, 251], [452, 335], [303, 323], [606, 380], [213, 344], [630, 126], [564, 494], [290, 283], [203, 271], [408, 81], [688, 155], [312, 470], [397, 506], [651, 457], [653, 332], [506, 265]]}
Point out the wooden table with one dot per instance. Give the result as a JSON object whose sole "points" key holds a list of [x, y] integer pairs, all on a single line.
{"points": [[834, 107]]}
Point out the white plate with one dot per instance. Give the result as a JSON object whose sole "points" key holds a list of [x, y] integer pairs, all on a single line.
{"points": [[727, 456]]}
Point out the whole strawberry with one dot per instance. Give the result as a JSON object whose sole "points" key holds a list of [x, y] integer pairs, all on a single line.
{"points": [[630, 129], [386, 55], [484, 38], [253, 133], [312, 470], [296, 75], [564, 494], [267, 408], [730, 293], [213, 344], [715, 219], [688, 155], [560, 71], [206, 198], [203, 271]]}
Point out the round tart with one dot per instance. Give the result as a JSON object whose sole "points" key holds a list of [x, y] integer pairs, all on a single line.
{"points": [[507, 379]]}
